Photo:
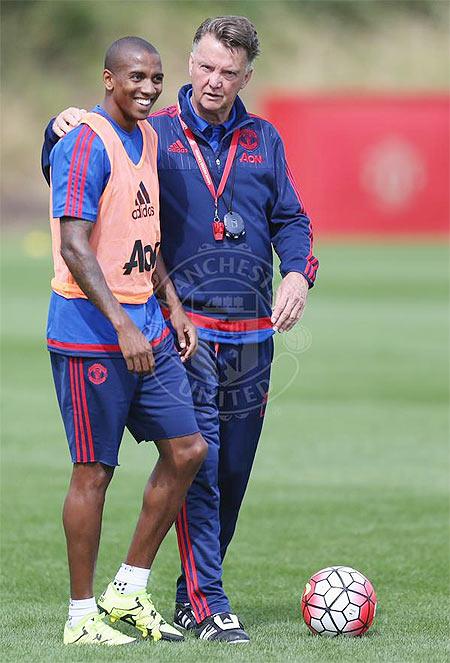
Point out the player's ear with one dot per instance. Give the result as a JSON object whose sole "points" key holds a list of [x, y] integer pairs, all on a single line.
{"points": [[191, 64], [108, 80]]}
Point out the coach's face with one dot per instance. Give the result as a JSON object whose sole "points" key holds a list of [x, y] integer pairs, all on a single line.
{"points": [[217, 75], [133, 87]]}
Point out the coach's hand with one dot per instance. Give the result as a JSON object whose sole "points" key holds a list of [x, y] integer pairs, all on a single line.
{"points": [[136, 349], [186, 333], [67, 120], [290, 301]]}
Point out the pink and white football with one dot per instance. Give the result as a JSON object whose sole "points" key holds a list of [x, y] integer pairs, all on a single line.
{"points": [[338, 600]]}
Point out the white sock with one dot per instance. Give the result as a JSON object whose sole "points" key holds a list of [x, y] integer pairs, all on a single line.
{"points": [[130, 579], [79, 609]]}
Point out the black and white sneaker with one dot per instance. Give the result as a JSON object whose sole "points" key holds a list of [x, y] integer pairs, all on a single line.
{"points": [[184, 616], [223, 627]]}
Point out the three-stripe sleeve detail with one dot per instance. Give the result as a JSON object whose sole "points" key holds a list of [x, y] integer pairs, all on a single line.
{"points": [[78, 171]]}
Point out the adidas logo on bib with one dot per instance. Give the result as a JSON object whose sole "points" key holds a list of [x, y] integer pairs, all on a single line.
{"points": [[143, 204]]}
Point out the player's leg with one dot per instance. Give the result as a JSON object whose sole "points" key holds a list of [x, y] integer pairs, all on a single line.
{"points": [[94, 433], [178, 462], [242, 408], [82, 519], [161, 410]]}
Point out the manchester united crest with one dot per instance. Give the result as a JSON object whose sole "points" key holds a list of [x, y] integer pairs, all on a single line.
{"points": [[97, 373], [248, 139]]}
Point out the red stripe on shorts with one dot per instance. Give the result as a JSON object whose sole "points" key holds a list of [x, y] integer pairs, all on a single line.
{"points": [[86, 414], [84, 458], [74, 408]]}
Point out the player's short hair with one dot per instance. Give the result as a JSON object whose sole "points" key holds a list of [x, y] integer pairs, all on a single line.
{"points": [[233, 32], [114, 54]]}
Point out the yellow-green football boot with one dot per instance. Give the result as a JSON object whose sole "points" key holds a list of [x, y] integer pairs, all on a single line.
{"points": [[92, 630], [138, 610]]}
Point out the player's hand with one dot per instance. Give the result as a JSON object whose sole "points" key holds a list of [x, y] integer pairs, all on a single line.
{"points": [[290, 301], [67, 120], [136, 349], [186, 332]]}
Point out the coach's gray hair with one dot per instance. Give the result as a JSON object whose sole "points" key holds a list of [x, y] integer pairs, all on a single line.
{"points": [[233, 32]]}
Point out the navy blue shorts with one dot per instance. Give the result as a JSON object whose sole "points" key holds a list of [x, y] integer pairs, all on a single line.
{"points": [[99, 397]]}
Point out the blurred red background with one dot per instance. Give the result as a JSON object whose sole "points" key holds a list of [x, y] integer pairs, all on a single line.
{"points": [[369, 165]]}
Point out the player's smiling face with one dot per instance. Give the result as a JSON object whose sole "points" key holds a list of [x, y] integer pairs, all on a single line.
{"points": [[217, 75], [133, 88]]}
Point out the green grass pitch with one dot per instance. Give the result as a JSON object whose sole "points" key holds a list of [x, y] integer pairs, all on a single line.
{"points": [[352, 469]]}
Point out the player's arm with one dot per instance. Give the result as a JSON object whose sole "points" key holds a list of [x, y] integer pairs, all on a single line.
{"points": [[84, 267], [184, 328], [291, 235]]}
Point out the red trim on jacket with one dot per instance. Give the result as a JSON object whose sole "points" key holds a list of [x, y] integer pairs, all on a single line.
{"points": [[225, 325]]}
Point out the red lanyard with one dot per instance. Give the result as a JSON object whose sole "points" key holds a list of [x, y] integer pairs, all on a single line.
{"points": [[204, 168]]}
